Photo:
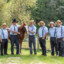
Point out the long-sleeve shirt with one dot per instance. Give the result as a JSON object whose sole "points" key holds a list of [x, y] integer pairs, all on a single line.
{"points": [[42, 31], [14, 28], [52, 32], [60, 32], [3, 33], [33, 29]]}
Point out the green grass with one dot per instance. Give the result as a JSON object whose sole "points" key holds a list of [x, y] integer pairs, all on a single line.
{"points": [[26, 58]]}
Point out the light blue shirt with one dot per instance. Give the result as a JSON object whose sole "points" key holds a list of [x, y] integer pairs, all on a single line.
{"points": [[14, 28], [3, 33], [52, 32], [33, 29], [60, 32], [42, 31]]}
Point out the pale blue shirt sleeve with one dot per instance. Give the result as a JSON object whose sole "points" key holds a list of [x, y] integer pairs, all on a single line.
{"points": [[18, 26], [11, 28], [46, 29], [63, 30], [0, 32], [34, 30]]}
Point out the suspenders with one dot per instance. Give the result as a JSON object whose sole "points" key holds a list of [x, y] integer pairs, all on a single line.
{"points": [[2, 33], [61, 30], [42, 31], [32, 29], [14, 28], [55, 32]]}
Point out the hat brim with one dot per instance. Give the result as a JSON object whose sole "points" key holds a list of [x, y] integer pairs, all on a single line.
{"points": [[58, 22], [40, 23], [51, 23], [14, 22]]}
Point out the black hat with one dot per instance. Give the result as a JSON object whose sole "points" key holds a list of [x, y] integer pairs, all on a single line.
{"points": [[14, 20]]}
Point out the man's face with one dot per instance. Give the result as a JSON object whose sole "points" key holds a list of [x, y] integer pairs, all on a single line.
{"points": [[58, 24], [14, 23], [51, 25], [31, 23], [41, 24], [4, 26]]}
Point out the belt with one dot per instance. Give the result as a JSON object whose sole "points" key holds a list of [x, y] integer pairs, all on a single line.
{"points": [[31, 35]]}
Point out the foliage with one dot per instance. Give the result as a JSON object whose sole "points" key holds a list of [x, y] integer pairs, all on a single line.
{"points": [[48, 10], [18, 9]]}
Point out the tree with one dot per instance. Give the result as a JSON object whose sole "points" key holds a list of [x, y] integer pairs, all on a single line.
{"points": [[48, 10], [18, 9]]}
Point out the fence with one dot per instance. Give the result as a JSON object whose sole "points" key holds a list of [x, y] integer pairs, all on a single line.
{"points": [[25, 43]]}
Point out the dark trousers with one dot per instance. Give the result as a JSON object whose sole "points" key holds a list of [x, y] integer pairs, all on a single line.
{"points": [[60, 44], [43, 45], [32, 40], [53, 45], [4, 46], [14, 39]]}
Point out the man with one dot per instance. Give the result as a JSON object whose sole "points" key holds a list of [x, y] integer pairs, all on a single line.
{"points": [[14, 37], [32, 32], [60, 37], [4, 39], [42, 33], [52, 32]]}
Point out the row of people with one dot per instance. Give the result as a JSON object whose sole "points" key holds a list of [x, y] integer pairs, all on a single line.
{"points": [[56, 37]]}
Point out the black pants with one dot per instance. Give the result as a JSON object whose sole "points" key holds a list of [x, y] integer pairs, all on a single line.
{"points": [[60, 44], [43, 45], [32, 40], [14, 39], [53, 45], [4, 46]]}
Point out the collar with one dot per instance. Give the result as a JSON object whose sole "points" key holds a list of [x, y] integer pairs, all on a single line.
{"points": [[3, 29], [32, 26], [60, 26], [52, 28], [15, 25]]}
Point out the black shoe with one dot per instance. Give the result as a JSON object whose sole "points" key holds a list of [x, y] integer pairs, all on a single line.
{"points": [[52, 55], [17, 54], [12, 54], [1, 54], [30, 53], [42, 54], [35, 54], [5, 53], [45, 55]]}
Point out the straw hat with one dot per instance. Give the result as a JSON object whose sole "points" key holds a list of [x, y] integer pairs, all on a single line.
{"points": [[58, 21], [32, 21], [51, 23], [4, 24], [41, 22]]}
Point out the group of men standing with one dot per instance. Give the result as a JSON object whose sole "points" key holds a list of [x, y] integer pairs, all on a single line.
{"points": [[56, 37]]}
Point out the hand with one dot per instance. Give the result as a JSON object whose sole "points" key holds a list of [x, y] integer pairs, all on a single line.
{"points": [[0, 40], [56, 38], [27, 33], [38, 38], [63, 39], [43, 38], [29, 30], [14, 31], [18, 32]]}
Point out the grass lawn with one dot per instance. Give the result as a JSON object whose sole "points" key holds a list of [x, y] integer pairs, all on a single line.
{"points": [[26, 58]]}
